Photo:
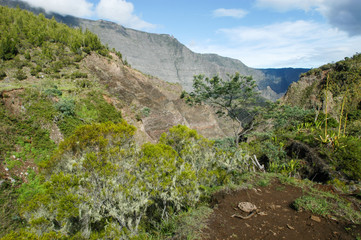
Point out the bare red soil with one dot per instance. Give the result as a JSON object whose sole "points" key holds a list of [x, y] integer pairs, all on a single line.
{"points": [[275, 217]]}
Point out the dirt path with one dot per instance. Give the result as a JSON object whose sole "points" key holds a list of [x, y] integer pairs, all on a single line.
{"points": [[277, 219]]}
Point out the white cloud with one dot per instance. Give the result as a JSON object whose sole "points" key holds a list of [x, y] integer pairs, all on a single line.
{"points": [[236, 13], [343, 14], [78, 8], [121, 11], [286, 5], [287, 44]]}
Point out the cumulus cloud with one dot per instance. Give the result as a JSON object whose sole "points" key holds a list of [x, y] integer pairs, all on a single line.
{"points": [[287, 44], [121, 11], [235, 13], [343, 14], [79, 8]]}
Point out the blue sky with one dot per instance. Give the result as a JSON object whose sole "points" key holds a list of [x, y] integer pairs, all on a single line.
{"points": [[260, 33]]}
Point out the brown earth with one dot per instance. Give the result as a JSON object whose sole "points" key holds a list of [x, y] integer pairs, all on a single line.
{"points": [[134, 91], [276, 219]]}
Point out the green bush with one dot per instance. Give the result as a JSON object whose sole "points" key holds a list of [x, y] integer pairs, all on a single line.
{"points": [[2, 74], [35, 70], [98, 180], [52, 92], [348, 157], [103, 52], [27, 55], [145, 111], [8, 45], [84, 83], [78, 74], [94, 108], [66, 107], [212, 166], [20, 75], [354, 129]]}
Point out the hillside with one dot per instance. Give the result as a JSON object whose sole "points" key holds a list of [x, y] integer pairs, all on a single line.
{"points": [[342, 82], [163, 56], [54, 79], [91, 148], [316, 125]]}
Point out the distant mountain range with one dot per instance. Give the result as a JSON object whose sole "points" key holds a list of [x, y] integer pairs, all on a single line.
{"points": [[163, 56]]}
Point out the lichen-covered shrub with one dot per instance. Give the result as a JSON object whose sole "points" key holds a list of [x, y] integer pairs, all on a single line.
{"points": [[99, 180], [213, 166]]}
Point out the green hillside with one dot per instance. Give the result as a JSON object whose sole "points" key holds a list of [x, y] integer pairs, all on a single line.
{"points": [[45, 94], [315, 130], [57, 93], [71, 167]]}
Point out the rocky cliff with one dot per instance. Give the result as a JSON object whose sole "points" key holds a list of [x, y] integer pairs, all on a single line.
{"points": [[150, 104], [163, 56]]}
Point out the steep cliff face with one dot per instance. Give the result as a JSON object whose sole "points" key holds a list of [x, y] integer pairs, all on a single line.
{"points": [[163, 56], [151, 104]]}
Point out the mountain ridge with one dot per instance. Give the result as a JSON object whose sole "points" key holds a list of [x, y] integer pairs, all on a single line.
{"points": [[163, 56]]}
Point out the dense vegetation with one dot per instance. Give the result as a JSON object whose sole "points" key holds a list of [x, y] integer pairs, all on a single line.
{"points": [[44, 95], [332, 134], [73, 169]]}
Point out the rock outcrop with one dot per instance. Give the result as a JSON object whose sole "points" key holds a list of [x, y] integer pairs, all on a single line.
{"points": [[135, 92]]}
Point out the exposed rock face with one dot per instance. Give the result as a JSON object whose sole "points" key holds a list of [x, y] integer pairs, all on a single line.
{"points": [[163, 56], [304, 93], [134, 91]]}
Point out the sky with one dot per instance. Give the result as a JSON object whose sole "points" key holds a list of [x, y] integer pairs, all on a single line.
{"points": [[260, 33]]}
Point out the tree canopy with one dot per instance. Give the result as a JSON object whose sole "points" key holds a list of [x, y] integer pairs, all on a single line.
{"points": [[234, 97]]}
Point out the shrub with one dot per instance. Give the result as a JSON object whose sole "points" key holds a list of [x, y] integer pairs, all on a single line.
{"points": [[103, 52], [78, 74], [66, 107], [2, 74], [145, 111], [27, 55], [52, 92], [99, 180], [8, 45], [348, 157], [84, 83], [212, 166], [20, 75], [87, 50], [94, 108], [35, 70]]}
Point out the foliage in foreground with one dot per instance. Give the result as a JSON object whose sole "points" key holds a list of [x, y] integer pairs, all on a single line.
{"points": [[99, 183], [336, 144]]}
